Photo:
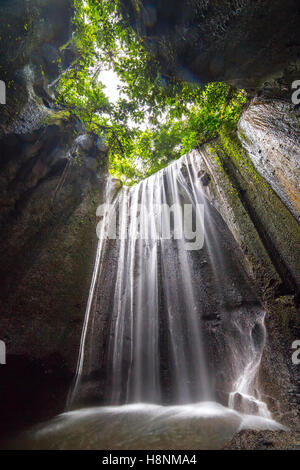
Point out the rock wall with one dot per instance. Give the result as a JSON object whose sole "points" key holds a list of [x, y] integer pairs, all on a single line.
{"points": [[268, 235], [31, 58], [244, 42], [48, 245], [270, 132]]}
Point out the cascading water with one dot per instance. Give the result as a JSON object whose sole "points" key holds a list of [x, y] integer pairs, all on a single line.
{"points": [[171, 316], [245, 394]]}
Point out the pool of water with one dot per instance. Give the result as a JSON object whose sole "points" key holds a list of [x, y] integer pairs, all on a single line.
{"points": [[200, 426]]}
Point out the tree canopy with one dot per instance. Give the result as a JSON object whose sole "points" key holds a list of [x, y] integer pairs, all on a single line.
{"points": [[156, 118]]}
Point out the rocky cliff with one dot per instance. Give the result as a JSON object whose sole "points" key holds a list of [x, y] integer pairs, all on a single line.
{"points": [[51, 179], [244, 42]]}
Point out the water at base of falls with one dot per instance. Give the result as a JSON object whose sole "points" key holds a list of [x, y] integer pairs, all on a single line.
{"points": [[168, 323], [200, 426]]}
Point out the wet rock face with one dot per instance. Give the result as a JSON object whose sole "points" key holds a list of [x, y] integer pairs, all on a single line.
{"points": [[264, 228], [51, 185], [244, 42], [31, 37], [268, 235], [270, 132]]}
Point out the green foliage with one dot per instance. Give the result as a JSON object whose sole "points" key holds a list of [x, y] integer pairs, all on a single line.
{"points": [[157, 118], [82, 96]]}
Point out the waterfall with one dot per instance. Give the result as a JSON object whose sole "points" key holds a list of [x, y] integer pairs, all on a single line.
{"points": [[171, 317]]}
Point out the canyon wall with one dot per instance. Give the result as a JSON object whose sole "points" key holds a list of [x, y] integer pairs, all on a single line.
{"points": [[51, 179], [247, 43]]}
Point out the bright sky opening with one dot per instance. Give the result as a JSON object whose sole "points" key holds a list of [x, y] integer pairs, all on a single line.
{"points": [[111, 82]]}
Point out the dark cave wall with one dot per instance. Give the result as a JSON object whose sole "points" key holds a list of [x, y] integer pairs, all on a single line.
{"points": [[31, 36], [51, 179], [244, 42], [48, 245]]}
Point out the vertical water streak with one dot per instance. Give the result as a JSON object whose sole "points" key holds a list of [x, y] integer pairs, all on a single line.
{"points": [[120, 303], [97, 266], [245, 395], [172, 301], [133, 250]]}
